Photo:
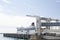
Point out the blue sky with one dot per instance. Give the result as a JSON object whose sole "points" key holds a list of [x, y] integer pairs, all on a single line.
{"points": [[47, 8], [11, 10]]}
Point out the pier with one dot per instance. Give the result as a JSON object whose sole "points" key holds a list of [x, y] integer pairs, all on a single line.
{"points": [[15, 35], [46, 29]]}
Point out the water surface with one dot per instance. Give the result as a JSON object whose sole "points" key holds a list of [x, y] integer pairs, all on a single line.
{"points": [[8, 38]]}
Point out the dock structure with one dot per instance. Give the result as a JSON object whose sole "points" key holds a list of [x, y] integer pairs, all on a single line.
{"points": [[46, 28], [15, 35], [45, 22]]}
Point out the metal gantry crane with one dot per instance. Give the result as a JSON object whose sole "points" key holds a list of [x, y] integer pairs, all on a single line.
{"points": [[48, 23], [47, 27]]}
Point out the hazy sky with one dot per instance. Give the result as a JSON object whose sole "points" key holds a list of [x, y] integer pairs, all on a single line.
{"points": [[11, 10], [47, 8]]}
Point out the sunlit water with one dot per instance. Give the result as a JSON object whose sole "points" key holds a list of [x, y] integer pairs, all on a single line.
{"points": [[8, 38]]}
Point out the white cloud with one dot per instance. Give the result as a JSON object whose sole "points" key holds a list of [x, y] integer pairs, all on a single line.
{"points": [[1, 8], [6, 1], [9, 23], [15, 21]]}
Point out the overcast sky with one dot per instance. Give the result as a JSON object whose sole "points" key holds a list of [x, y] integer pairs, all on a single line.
{"points": [[11, 10]]}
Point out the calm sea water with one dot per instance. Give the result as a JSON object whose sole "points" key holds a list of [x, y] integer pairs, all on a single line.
{"points": [[8, 38]]}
